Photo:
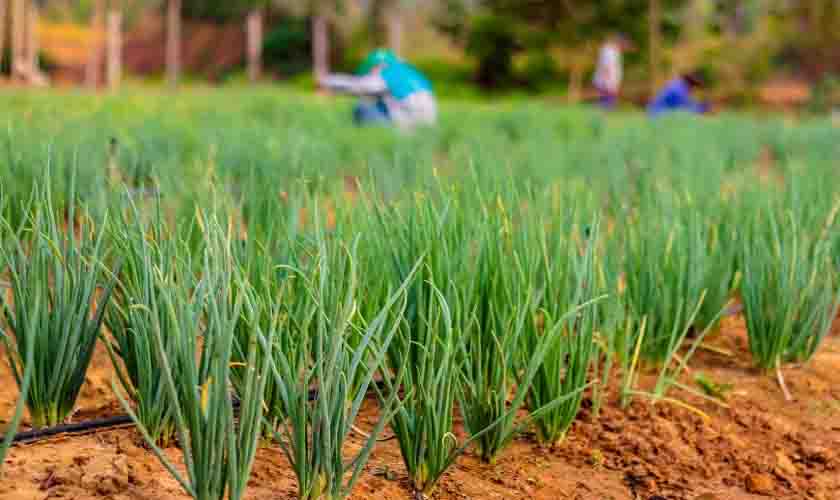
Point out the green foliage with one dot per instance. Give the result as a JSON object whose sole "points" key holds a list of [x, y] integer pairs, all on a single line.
{"points": [[218, 448], [826, 94], [562, 265], [341, 353], [428, 364], [63, 270], [679, 267], [540, 70], [451, 17], [27, 368], [492, 41], [149, 257], [503, 264], [789, 290], [219, 10], [288, 47]]}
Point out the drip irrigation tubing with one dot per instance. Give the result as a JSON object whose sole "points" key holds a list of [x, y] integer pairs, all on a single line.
{"points": [[35, 435], [75, 428]]}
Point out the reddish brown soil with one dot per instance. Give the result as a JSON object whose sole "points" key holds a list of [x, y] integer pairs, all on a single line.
{"points": [[760, 447]]}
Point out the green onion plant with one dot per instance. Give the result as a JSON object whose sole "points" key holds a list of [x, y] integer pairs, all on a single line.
{"points": [[339, 355], [64, 272], [148, 251], [423, 422], [789, 291], [566, 279], [26, 366], [218, 446]]}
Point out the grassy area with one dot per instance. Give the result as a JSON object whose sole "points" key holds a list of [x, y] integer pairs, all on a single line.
{"points": [[510, 260]]}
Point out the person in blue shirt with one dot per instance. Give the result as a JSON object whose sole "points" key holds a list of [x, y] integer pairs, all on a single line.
{"points": [[390, 91], [676, 96]]}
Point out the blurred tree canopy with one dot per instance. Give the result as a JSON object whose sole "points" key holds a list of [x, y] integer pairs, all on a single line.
{"points": [[540, 44], [495, 31], [736, 42], [220, 10]]}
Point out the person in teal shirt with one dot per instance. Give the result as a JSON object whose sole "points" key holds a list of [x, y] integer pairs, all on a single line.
{"points": [[391, 91]]}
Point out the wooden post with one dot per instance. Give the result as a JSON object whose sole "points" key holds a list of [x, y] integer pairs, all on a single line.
{"points": [[695, 24], [18, 34], [254, 30], [94, 63], [655, 22], [173, 42], [576, 72], [394, 21], [320, 45], [114, 63], [3, 22], [32, 47]]}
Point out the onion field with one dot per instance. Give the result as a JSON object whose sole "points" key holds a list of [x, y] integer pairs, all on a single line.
{"points": [[268, 284]]}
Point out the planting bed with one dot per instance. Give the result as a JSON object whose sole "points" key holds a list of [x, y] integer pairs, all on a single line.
{"points": [[546, 298], [762, 447]]}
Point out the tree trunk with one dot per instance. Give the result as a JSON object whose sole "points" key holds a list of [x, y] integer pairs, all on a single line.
{"points": [[173, 42], [320, 45], [114, 63], [254, 28], [3, 22], [695, 24], [18, 34], [655, 21], [394, 23], [576, 72], [94, 63], [32, 47]]}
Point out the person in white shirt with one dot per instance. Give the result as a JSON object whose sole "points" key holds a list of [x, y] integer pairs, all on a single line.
{"points": [[608, 73]]}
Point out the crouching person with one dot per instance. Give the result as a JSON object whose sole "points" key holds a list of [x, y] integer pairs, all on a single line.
{"points": [[677, 96], [390, 91]]}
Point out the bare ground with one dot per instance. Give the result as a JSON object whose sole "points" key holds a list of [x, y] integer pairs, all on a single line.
{"points": [[759, 447]]}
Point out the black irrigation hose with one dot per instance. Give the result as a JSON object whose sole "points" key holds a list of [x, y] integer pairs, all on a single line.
{"points": [[89, 425], [36, 435], [83, 427], [120, 420]]}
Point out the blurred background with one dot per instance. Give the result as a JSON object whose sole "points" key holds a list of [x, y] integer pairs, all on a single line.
{"points": [[753, 53]]}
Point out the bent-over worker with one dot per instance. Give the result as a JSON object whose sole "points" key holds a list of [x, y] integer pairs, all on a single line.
{"points": [[391, 91]]}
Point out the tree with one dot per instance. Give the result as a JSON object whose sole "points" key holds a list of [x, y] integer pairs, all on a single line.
{"points": [[4, 11], [394, 24], [386, 18], [114, 59], [106, 25], [3, 23], [814, 34], [31, 50], [493, 41], [218, 11], [654, 44], [94, 63], [574, 26], [173, 41], [320, 13], [18, 23], [224, 11], [320, 43], [254, 30], [24, 42]]}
